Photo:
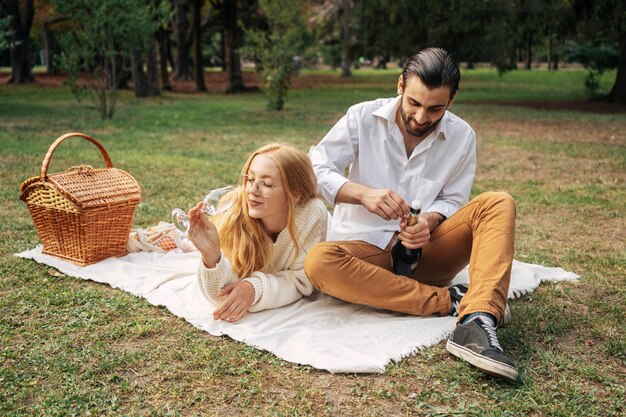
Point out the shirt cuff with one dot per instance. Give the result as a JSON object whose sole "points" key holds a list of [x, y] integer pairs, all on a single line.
{"points": [[331, 186], [443, 208]]}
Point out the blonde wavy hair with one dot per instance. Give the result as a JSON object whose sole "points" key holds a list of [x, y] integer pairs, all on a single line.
{"points": [[242, 238]]}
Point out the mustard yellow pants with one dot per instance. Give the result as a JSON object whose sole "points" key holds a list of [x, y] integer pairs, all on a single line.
{"points": [[480, 234]]}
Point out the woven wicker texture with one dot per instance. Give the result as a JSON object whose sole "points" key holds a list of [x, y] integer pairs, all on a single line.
{"points": [[88, 187], [82, 215]]}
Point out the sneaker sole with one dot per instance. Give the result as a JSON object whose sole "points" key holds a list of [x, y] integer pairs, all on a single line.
{"points": [[485, 364]]}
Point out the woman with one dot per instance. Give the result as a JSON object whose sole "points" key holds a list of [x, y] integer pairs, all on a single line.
{"points": [[253, 257]]}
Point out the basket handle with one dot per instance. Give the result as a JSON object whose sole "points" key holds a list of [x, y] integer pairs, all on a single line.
{"points": [[46, 160]]}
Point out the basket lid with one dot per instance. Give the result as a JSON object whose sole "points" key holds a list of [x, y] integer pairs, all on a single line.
{"points": [[88, 187]]}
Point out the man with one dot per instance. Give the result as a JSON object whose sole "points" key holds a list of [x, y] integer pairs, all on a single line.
{"points": [[397, 150]]}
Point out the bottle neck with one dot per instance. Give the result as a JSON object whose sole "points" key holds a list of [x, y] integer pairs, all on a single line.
{"points": [[413, 217]]}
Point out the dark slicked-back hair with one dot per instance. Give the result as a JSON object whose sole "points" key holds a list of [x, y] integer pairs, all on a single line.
{"points": [[435, 68]]}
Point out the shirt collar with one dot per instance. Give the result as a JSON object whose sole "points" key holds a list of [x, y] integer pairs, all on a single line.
{"points": [[441, 131], [388, 112]]}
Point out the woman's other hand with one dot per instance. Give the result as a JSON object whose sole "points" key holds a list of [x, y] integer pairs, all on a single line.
{"points": [[203, 234], [239, 297]]}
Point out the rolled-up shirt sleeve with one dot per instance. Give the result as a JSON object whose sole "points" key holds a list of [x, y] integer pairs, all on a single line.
{"points": [[332, 155], [456, 191]]}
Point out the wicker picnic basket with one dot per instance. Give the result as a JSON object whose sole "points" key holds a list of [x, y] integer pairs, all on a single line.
{"points": [[82, 215]]}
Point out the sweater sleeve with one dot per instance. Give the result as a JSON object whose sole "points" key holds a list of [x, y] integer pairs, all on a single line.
{"points": [[212, 280], [286, 286]]}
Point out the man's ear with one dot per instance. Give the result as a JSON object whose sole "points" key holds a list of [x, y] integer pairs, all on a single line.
{"points": [[400, 85]]}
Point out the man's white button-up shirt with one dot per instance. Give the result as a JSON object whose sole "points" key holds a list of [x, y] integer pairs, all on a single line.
{"points": [[439, 173]]}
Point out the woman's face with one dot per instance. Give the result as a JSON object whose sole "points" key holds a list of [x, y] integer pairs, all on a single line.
{"points": [[266, 196]]}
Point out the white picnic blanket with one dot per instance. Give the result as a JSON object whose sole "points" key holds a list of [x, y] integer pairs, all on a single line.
{"points": [[319, 330]]}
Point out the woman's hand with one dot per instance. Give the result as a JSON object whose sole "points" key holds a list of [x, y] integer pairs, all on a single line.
{"points": [[203, 234], [240, 296]]}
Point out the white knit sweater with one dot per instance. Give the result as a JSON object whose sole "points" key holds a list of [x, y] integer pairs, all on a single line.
{"points": [[286, 281]]}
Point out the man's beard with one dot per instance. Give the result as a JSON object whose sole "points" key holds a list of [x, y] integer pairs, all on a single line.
{"points": [[420, 131]]}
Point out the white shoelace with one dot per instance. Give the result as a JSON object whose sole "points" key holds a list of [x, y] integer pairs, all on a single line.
{"points": [[491, 333]]}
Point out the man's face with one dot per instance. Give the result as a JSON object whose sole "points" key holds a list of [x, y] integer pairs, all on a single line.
{"points": [[422, 108]]}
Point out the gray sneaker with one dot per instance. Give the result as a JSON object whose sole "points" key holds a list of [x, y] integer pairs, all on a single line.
{"points": [[476, 342]]}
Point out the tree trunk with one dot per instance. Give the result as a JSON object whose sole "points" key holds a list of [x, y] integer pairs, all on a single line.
{"points": [[48, 42], [182, 62], [153, 69], [223, 51], [549, 52], [514, 58], [124, 76], [225, 47], [618, 92], [139, 76], [47, 47], [105, 87], [162, 40], [21, 24], [168, 49], [20, 64], [198, 67], [346, 48], [232, 41], [555, 64], [529, 52], [146, 82]]}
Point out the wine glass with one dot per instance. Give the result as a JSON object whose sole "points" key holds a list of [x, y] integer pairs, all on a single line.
{"points": [[212, 204]]}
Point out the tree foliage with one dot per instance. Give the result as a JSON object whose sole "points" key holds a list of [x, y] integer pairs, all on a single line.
{"points": [[5, 33], [597, 58], [602, 24], [275, 48], [504, 33], [103, 35]]}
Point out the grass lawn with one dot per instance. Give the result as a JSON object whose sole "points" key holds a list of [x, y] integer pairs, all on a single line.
{"points": [[71, 347]]}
